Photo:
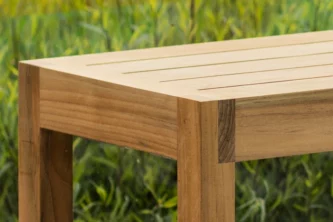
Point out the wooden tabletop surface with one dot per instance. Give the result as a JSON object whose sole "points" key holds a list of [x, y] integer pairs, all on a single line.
{"points": [[214, 71], [205, 105]]}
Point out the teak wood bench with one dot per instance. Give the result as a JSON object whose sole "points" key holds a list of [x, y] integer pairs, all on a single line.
{"points": [[205, 105]]}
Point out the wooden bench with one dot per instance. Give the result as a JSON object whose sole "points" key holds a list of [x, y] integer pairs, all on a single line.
{"points": [[205, 105]]}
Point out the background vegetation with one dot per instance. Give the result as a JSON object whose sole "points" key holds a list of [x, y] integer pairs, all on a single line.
{"points": [[117, 184]]}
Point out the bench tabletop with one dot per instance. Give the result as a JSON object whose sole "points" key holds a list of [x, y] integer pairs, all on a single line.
{"points": [[213, 71]]}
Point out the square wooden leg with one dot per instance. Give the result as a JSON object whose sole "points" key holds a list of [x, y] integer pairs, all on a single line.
{"points": [[206, 181], [45, 160]]}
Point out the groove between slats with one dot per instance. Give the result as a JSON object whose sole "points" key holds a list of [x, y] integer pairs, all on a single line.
{"points": [[213, 52], [244, 68], [221, 63], [252, 91], [243, 73], [263, 83]]}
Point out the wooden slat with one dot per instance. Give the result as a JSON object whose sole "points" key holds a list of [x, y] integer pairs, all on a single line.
{"points": [[244, 79], [207, 72], [191, 49], [208, 64], [252, 67], [315, 84], [137, 67], [206, 189], [284, 125], [108, 112]]}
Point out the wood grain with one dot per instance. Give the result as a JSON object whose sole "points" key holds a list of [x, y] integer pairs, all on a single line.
{"points": [[232, 80], [223, 70], [206, 188], [188, 49], [29, 175], [243, 69], [226, 130], [206, 105], [217, 58], [45, 159], [284, 125], [57, 177], [109, 113]]}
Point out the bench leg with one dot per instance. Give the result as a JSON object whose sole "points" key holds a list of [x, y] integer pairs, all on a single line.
{"points": [[45, 160], [206, 188]]}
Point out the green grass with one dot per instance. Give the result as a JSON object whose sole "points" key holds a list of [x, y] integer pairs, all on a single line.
{"points": [[118, 184]]}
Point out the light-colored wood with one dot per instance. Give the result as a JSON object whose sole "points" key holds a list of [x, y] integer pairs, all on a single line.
{"points": [[275, 88], [207, 105], [108, 112], [230, 69], [214, 71], [29, 175], [206, 188], [284, 125], [262, 77], [273, 53], [45, 159], [190, 49]]}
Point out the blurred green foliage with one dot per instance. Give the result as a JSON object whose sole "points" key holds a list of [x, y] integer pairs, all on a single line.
{"points": [[118, 184]]}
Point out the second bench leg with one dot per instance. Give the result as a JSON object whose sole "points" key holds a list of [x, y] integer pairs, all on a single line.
{"points": [[45, 160], [57, 177]]}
